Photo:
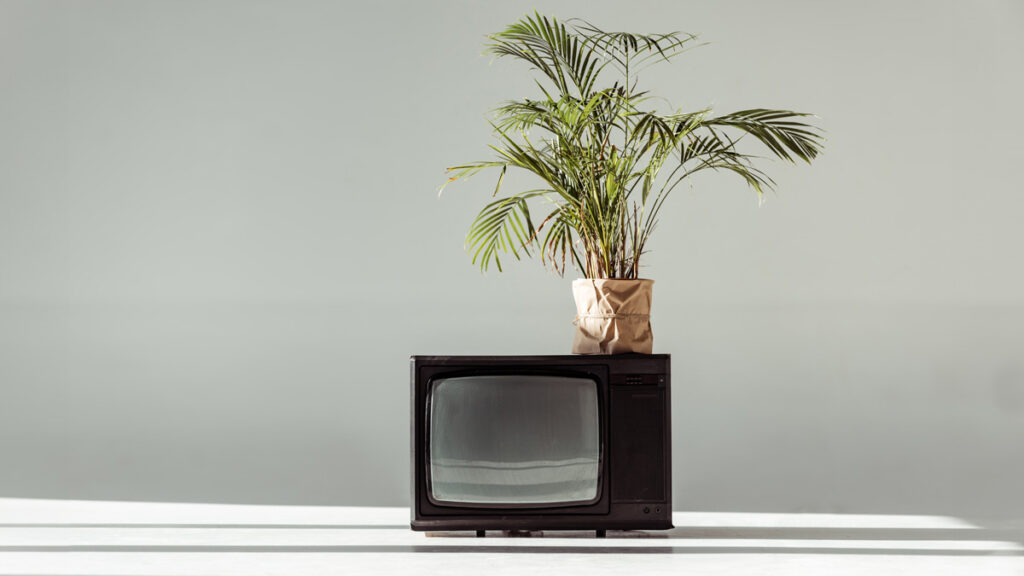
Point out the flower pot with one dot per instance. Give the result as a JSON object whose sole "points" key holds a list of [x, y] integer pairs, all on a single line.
{"points": [[612, 316]]}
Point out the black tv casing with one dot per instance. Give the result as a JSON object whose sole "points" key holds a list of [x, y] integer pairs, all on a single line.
{"points": [[635, 484]]}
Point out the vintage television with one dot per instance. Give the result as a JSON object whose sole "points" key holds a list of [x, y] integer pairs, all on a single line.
{"points": [[541, 443]]}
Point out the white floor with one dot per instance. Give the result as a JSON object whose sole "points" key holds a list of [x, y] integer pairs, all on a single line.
{"points": [[50, 537]]}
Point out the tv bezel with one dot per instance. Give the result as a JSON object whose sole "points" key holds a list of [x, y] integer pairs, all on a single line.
{"points": [[602, 411]]}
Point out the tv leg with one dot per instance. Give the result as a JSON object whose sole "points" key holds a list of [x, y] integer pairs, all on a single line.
{"points": [[600, 533], [481, 533]]}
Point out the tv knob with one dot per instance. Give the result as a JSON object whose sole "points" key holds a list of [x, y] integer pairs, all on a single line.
{"points": [[647, 510]]}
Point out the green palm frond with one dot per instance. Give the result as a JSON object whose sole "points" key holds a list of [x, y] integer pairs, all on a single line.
{"points": [[466, 170], [552, 49], [503, 227], [628, 50], [778, 130]]}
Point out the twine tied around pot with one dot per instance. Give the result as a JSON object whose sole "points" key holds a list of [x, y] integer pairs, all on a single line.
{"points": [[576, 319]]}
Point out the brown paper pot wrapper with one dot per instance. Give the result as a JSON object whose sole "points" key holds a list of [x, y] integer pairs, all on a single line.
{"points": [[612, 316]]}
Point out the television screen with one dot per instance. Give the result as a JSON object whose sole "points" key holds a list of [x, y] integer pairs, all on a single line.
{"points": [[513, 440]]}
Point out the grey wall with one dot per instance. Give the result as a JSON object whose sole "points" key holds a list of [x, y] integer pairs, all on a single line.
{"points": [[220, 240]]}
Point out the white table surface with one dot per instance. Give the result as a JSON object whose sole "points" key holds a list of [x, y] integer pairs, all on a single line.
{"points": [[83, 538]]}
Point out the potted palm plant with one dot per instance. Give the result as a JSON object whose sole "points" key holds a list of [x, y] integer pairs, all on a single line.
{"points": [[606, 163]]}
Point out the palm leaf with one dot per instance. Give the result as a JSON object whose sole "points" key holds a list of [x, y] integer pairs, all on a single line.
{"points": [[503, 226], [777, 130]]}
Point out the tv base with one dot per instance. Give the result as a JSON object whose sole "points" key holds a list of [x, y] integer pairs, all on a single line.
{"points": [[512, 534]]}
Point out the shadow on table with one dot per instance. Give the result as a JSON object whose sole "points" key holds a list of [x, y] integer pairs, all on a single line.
{"points": [[952, 538]]}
